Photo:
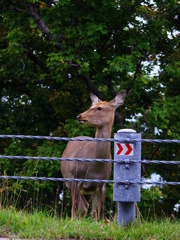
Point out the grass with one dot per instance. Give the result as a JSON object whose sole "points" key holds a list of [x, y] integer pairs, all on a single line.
{"points": [[40, 225]]}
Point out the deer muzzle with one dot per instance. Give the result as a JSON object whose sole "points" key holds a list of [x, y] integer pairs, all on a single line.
{"points": [[80, 119]]}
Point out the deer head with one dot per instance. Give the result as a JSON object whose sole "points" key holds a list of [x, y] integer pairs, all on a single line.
{"points": [[101, 113]]}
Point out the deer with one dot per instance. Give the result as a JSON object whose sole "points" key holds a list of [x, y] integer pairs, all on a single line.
{"points": [[99, 115]]}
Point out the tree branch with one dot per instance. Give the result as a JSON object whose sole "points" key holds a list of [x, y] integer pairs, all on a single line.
{"points": [[90, 86], [35, 59], [111, 88], [19, 10], [138, 67], [38, 19]]}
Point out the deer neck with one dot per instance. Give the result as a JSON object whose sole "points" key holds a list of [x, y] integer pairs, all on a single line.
{"points": [[103, 132], [102, 149]]}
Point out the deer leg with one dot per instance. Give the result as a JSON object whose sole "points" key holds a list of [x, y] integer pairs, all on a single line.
{"points": [[83, 206], [98, 199], [101, 202], [95, 199], [94, 208], [75, 199]]}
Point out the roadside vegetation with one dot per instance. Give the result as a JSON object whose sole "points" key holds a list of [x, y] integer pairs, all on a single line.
{"points": [[42, 225]]}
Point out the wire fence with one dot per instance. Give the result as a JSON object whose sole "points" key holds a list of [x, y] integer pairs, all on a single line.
{"points": [[39, 158], [86, 139], [127, 182], [144, 161]]}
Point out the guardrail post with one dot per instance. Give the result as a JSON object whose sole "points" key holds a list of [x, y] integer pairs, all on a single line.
{"points": [[126, 195]]}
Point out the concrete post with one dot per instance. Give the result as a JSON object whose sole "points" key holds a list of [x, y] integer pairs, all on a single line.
{"points": [[126, 195]]}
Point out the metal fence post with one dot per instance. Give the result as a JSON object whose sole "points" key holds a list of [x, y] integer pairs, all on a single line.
{"points": [[126, 195]]}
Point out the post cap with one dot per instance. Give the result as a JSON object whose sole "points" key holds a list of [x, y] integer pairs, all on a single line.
{"points": [[127, 130]]}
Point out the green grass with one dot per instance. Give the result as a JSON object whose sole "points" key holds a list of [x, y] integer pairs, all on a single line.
{"points": [[40, 225]]}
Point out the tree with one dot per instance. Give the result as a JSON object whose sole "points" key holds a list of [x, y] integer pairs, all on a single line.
{"points": [[53, 53]]}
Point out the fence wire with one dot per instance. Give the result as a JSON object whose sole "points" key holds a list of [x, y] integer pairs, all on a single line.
{"points": [[86, 139], [127, 161], [126, 182]]}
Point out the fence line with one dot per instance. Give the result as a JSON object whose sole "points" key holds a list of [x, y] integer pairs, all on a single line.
{"points": [[88, 180], [126, 161], [86, 139], [144, 161]]}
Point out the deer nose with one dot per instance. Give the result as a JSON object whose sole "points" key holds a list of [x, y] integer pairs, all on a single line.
{"points": [[78, 117]]}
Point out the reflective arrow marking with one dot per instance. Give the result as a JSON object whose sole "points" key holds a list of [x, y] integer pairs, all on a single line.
{"points": [[124, 149], [120, 149], [130, 149]]}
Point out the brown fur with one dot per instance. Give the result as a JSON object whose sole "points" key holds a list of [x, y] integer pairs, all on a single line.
{"points": [[103, 121]]}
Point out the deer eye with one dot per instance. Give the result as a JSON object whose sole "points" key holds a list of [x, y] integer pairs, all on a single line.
{"points": [[99, 108]]}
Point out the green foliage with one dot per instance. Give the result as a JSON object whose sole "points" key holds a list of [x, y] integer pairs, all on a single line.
{"points": [[164, 115], [150, 205], [42, 192], [75, 129]]}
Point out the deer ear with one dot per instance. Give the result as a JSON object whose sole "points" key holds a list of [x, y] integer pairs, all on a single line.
{"points": [[119, 99], [94, 99]]}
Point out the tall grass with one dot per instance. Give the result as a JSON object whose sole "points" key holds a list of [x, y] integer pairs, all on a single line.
{"points": [[12, 194], [34, 222], [41, 225]]}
